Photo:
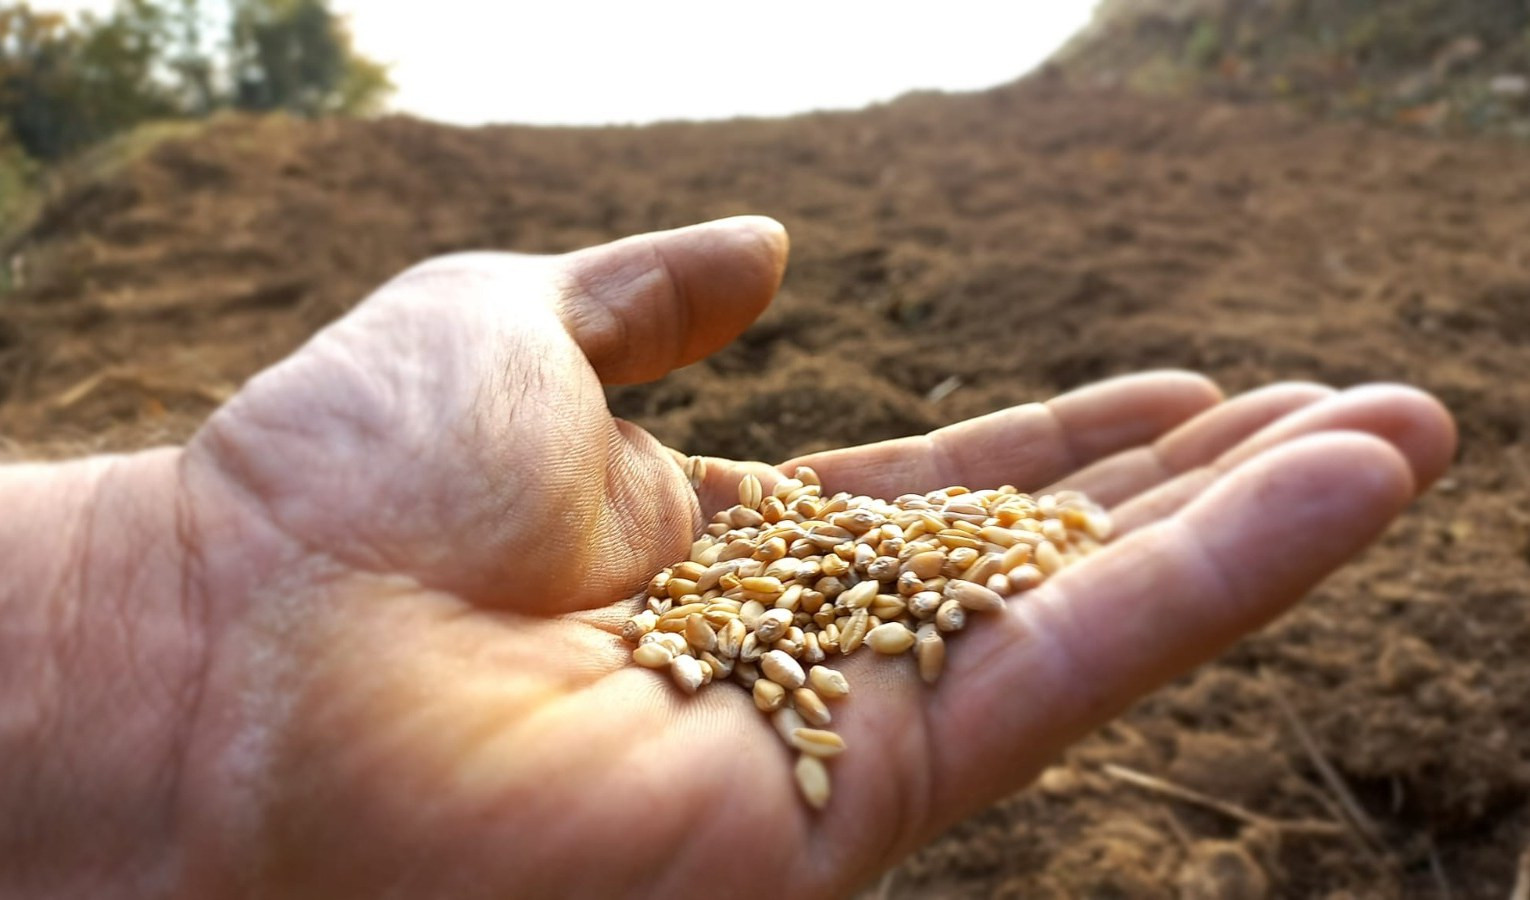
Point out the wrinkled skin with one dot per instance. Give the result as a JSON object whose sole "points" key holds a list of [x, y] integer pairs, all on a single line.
{"points": [[357, 639]]}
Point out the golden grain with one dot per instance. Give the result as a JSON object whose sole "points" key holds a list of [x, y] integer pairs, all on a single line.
{"points": [[930, 651], [1025, 577], [768, 696], [785, 721], [817, 742], [951, 616], [985, 566], [830, 684], [679, 587], [746, 674], [852, 633], [811, 707], [925, 603], [749, 613], [812, 650], [782, 669], [695, 469], [749, 492], [759, 584], [888, 606], [858, 597], [652, 656], [751, 649], [699, 634], [786, 577], [975, 597], [812, 780], [687, 673], [890, 639], [1048, 559], [730, 638], [634, 628], [772, 625]]}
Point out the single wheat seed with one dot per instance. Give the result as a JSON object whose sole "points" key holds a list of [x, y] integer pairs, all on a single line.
{"points": [[930, 651], [749, 492], [687, 673], [768, 696], [652, 656], [812, 780], [890, 639], [811, 707], [817, 742], [974, 596], [830, 684], [782, 669]]}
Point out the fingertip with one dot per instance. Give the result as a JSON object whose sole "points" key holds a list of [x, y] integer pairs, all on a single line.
{"points": [[1195, 385], [644, 305], [1420, 427], [1412, 421], [755, 247], [1236, 556], [1323, 497], [1149, 606], [771, 234], [755, 250]]}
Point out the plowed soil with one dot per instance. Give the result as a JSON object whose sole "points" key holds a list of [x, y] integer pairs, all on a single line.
{"points": [[953, 255]]}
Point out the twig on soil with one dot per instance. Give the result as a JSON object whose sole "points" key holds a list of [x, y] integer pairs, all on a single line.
{"points": [[1437, 869], [943, 390], [134, 379], [1354, 814], [1522, 880], [1176, 827], [1309, 827]]}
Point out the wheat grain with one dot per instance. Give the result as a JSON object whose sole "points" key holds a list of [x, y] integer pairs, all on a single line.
{"points": [[812, 780], [789, 576]]}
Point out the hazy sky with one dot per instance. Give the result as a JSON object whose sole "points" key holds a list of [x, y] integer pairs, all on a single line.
{"points": [[572, 62]]}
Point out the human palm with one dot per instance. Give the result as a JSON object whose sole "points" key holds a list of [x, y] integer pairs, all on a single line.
{"points": [[415, 537]]}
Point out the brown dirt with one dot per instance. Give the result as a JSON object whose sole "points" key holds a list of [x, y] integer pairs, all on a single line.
{"points": [[1022, 241]]}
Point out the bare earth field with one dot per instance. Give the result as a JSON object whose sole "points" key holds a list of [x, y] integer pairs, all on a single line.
{"points": [[953, 255]]}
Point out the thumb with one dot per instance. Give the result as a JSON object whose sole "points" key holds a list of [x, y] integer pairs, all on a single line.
{"points": [[642, 306]]}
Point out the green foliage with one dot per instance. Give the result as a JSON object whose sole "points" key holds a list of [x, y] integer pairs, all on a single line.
{"points": [[65, 85], [1204, 47], [1400, 61], [295, 55], [18, 176]]}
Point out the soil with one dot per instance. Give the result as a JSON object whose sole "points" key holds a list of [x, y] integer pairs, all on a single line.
{"points": [[1009, 245]]}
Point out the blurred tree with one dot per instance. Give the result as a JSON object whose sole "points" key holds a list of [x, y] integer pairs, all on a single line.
{"points": [[296, 55], [66, 84], [1428, 63], [16, 174], [188, 55]]}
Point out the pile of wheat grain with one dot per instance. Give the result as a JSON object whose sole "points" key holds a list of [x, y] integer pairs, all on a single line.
{"points": [[782, 582]]}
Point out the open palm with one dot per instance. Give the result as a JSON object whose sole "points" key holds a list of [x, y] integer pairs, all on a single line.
{"points": [[415, 537]]}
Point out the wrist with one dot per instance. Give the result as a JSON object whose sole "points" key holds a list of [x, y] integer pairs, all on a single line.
{"points": [[102, 641]]}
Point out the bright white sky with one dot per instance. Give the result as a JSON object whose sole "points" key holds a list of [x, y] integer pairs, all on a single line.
{"points": [[584, 62]]}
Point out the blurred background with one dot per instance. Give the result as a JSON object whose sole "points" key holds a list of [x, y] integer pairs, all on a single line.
{"points": [[989, 204]]}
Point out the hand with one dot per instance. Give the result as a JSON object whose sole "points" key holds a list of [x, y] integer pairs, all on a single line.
{"points": [[411, 542]]}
